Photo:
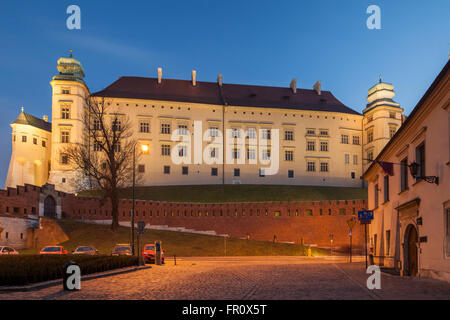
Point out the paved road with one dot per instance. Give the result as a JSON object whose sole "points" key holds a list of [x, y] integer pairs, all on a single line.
{"points": [[247, 278]]}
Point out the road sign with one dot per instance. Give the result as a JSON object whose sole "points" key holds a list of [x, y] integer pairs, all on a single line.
{"points": [[351, 223], [365, 216]]}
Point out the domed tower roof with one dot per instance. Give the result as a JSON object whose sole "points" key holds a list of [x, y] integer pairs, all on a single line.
{"points": [[381, 94], [69, 69]]}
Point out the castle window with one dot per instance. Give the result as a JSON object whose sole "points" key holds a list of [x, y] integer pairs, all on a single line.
{"points": [[310, 145], [251, 153], [235, 133], [65, 113], [166, 169], [165, 150], [141, 168], [342, 212], [214, 132], [323, 146], [235, 154], [34, 140], [182, 151], [392, 115], [182, 130], [289, 135], [266, 134], [369, 119], [214, 153], [185, 170], [356, 140], [289, 155], [308, 212], [355, 159], [237, 172], [116, 125], [251, 133], [290, 174], [64, 158], [24, 138], [266, 154], [262, 173], [369, 155], [165, 128], [346, 158], [310, 131], [64, 136], [310, 166], [324, 167], [117, 147], [144, 127], [214, 172], [96, 124], [44, 143], [404, 175], [97, 146], [344, 139], [65, 91], [324, 132], [369, 136], [392, 131]]}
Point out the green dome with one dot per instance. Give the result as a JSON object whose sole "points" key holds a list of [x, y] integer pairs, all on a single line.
{"points": [[69, 69]]}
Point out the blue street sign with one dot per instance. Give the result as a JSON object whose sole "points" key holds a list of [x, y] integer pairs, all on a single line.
{"points": [[366, 215]]}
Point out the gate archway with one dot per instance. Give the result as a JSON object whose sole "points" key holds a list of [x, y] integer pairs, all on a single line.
{"points": [[49, 207], [410, 251]]}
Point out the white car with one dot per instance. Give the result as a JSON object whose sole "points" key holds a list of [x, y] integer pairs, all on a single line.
{"points": [[7, 250]]}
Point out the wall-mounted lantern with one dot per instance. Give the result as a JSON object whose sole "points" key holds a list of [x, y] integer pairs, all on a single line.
{"points": [[414, 170]]}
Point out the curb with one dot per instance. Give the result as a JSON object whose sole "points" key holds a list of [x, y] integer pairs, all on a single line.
{"points": [[57, 282]]}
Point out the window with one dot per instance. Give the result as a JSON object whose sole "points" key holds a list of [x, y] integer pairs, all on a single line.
{"points": [[96, 124], [266, 154], [369, 119], [214, 153], [182, 129], [323, 132], [214, 171], [388, 242], [34, 140], [310, 131], [290, 174], [420, 159], [376, 195], [308, 212], [289, 155], [392, 131], [404, 174], [289, 135], [324, 167], [392, 115], [356, 140], [64, 158], [182, 151], [24, 138], [165, 128], [342, 212], [235, 154], [64, 136], [65, 91], [369, 136], [214, 132], [44, 144], [141, 168], [166, 169], [310, 166], [185, 170], [323, 146], [310, 145], [237, 172], [144, 127], [353, 175], [251, 154], [369, 155], [235, 133], [355, 159], [344, 139], [116, 125], [346, 158], [266, 134], [375, 244], [65, 113], [165, 150], [251, 133], [97, 146], [117, 147], [386, 188]]}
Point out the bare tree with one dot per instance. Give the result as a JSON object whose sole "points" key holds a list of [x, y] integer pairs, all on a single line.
{"points": [[105, 157]]}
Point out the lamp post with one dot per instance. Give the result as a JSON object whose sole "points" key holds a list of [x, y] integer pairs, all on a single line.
{"points": [[415, 170], [144, 150]]}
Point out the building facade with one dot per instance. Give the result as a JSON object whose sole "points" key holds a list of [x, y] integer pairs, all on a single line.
{"points": [[411, 226], [244, 134]]}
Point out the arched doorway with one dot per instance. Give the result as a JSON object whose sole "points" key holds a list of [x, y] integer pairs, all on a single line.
{"points": [[49, 207], [410, 251]]}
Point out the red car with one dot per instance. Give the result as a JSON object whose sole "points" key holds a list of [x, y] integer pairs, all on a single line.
{"points": [[53, 250], [7, 250], [149, 253]]}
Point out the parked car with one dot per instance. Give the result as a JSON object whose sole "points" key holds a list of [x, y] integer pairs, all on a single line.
{"points": [[149, 253], [85, 250], [53, 250], [7, 250], [122, 250]]}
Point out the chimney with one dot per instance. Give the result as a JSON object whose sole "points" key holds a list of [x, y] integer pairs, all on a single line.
{"points": [[159, 75], [317, 87], [294, 85], [219, 79], [194, 77], [45, 117]]}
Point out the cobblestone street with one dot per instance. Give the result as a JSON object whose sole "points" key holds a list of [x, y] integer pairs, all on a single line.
{"points": [[247, 278]]}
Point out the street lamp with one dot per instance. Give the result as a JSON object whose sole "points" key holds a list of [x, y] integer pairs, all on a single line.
{"points": [[414, 170], [144, 149]]}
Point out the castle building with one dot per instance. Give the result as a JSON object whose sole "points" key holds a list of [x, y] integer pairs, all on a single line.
{"points": [[313, 137]]}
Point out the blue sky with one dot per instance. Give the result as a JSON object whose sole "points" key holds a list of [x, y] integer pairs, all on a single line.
{"points": [[249, 42]]}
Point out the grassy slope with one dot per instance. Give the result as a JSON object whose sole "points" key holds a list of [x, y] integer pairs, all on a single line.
{"points": [[175, 243], [237, 193]]}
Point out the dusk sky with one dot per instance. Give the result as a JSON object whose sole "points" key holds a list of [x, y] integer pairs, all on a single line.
{"points": [[249, 42]]}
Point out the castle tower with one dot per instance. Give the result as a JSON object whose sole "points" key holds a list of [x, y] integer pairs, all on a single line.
{"points": [[68, 106], [31, 151], [382, 119]]}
